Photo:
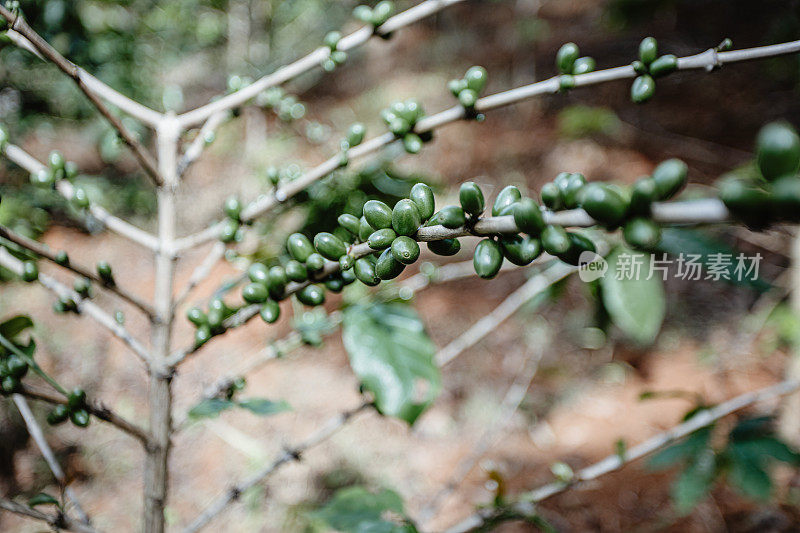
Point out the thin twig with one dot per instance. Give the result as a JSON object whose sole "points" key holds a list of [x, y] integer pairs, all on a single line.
{"points": [[705, 60], [614, 462], [56, 521], [19, 25], [43, 251], [84, 305], [312, 61], [200, 273], [36, 433], [66, 189], [511, 402], [195, 149]]}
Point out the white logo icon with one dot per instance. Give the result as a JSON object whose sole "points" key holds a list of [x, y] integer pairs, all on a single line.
{"points": [[591, 266]]}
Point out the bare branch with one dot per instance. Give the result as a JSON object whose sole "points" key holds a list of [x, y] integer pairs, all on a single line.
{"points": [[614, 462], [43, 251], [706, 60], [19, 25], [36, 433], [56, 521], [195, 149], [312, 61], [65, 188], [84, 306], [202, 271]]}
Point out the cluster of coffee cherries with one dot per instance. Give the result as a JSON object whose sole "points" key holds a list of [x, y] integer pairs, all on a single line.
{"points": [[401, 117], [355, 136], [286, 106], [649, 66], [613, 206], [210, 322], [336, 56], [469, 88], [230, 230], [773, 193], [570, 63], [12, 369], [375, 16], [75, 410]]}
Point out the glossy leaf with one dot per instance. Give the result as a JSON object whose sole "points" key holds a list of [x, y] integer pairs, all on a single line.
{"points": [[14, 326], [392, 355], [695, 481], [210, 408], [263, 406], [637, 305], [357, 510], [42, 499]]}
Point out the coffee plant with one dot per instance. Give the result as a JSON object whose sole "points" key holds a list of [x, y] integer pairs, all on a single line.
{"points": [[569, 224]]}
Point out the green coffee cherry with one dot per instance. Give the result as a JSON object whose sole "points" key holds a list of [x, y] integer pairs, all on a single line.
{"points": [[643, 193], [566, 82], [639, 67], [80, 199], [381, 12], [528, 216], [62, 258], [355, 134], [777, 150], [277, 281], [229, 231], [670, 177], [58, 415], [311, 295], [422, 196], [329, 246], [786, 198], [578, 244], [509, 195], [346, 262], [296, 271], [43, 178], [566, 56], [80, 417], [331, 39], [365, 271], [551, 196], [663, 65], [119, 317], [378, 214], [105, 273], [475, 78], [570, 184], [254, 293], [381, 239], [746, 202], [350, 223], [387, 266], [603, 204], [202, 335], [258, 273], [488, 259], [642, 89], [364, 229], [399, 126], [555, 240], [83, 287], [76, 399], [467, 98], [299, 247], [583, 65], [334, 283], [70, 170], [412, 143], [520, 250], [56, 161], [16, 366], [363, 13], [273, 175], [233, 208], [315, 262], [445, 247], [405, 249], [451, 217], [405, 217], [30, 272], [9, 384], [270, 311], [196, 316], [471, 197], [642, 234], [648, 50], [348, 276]]}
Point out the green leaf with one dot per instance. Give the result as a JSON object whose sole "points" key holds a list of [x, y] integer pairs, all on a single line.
{"points": [[263, 407], [42, 499], [14, 326], [675, 241], [393, 357], [690, 447], [209, 408], [636, 305], [695, 481], [356, 510], [748, 473]]}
